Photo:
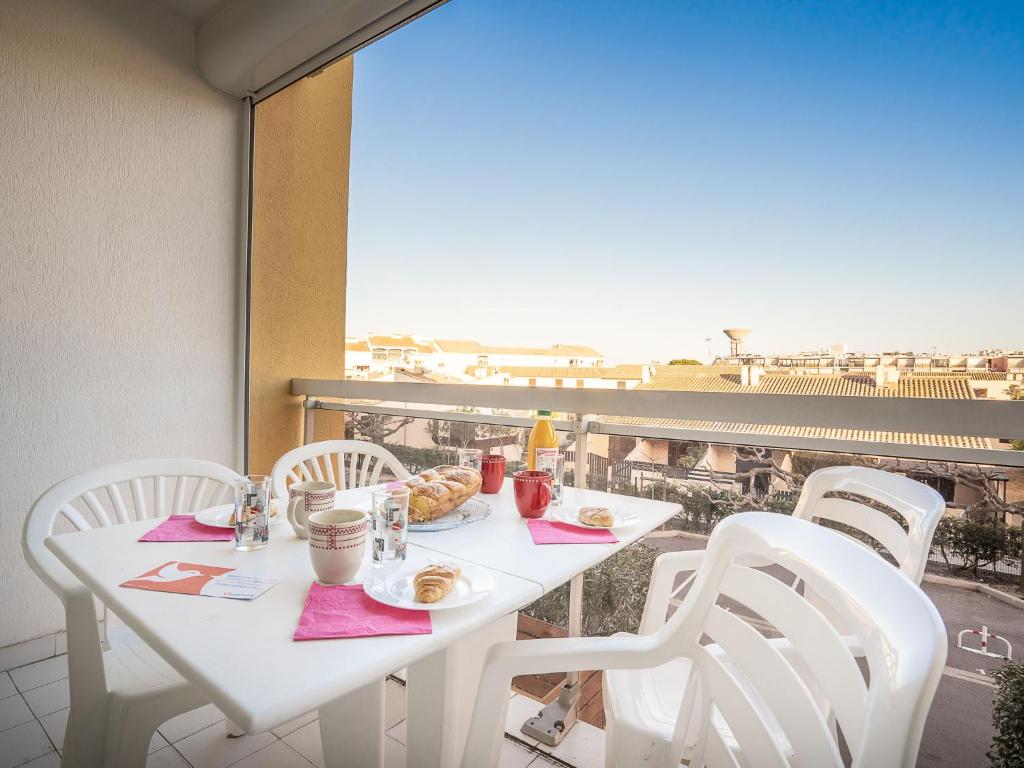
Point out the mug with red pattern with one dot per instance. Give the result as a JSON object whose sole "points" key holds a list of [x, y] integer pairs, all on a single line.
{"points": [[337, 541]]}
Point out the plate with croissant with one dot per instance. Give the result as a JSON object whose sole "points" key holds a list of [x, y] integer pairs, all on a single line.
{"points": [[592, 517], [425, 586], [223, 516]]}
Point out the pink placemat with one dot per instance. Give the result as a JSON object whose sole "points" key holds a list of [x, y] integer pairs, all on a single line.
{"points": [[185, 528], [345, 610], [548, 532]]}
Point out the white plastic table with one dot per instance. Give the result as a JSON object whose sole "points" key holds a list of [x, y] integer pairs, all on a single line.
{"points": [[241, 653]]}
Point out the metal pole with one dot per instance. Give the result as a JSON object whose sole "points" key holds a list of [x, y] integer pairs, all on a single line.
{"points": [[309, 405], [555, 720]]}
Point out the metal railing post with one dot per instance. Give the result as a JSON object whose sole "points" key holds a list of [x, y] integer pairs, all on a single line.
{"points": [[309, 406]]}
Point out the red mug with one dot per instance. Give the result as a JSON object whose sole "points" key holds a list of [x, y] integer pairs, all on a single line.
{"points": [[492, 469], [532, 491]]}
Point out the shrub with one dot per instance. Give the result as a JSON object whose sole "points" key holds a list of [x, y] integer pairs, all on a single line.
{"points": [[1008, 717], [613, 594], [976, 543], [418, 459]]}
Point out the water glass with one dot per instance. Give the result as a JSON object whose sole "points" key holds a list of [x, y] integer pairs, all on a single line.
{"points": [[470, 457], [252, 512], [553, 461], [390, 520]]}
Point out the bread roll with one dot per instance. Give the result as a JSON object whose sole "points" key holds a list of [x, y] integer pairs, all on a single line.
{"points": [[599, 517], [436, 492]]}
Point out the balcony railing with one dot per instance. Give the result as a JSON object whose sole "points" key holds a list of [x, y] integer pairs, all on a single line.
{"points": [[601, 411], [912, 432]]}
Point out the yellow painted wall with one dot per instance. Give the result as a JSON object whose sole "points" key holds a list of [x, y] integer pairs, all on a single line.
{"points": [[299, 240]]}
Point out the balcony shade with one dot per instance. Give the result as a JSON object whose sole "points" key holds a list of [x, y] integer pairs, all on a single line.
{"points": [[256, 47]]}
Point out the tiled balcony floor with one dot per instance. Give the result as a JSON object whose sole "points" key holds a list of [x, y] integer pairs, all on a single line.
{"points": [[34, 713]]}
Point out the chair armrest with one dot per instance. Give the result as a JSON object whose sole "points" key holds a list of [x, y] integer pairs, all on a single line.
{"points": [[661, 590], [506, 660]]}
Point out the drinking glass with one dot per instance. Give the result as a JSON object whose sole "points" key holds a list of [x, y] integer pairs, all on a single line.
{"points": [[470, 457], [252, 512], [390, 519], [553, 462]]}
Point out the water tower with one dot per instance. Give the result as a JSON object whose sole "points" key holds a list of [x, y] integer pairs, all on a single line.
{"points": [[736, 336]]}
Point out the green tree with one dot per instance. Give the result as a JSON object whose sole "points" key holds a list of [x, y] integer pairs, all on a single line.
{"points": [[684, 361], [376, 426], [1008, 717]]}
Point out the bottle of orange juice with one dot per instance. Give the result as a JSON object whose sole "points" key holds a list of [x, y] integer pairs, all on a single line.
{"points": [[542, 437]]}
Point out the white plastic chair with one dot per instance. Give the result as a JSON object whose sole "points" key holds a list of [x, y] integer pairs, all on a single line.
{"points": [[359, 463], [121, 690], [639, 703], [751, 684]]}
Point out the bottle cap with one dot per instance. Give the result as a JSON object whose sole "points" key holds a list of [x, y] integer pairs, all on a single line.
{"points": [[543, 413]]}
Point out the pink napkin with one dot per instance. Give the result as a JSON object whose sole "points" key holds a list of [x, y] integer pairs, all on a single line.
{"points": [[548, 532], [185, 528], [346, 611]]}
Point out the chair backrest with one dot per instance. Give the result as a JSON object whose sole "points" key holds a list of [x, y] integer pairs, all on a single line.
{"points": [[920, 507], [119, 493], [762, 688], [346, 463]]}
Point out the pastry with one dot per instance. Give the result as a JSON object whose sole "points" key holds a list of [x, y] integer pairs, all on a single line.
{"points": [[599, 517], [436, 492], [434, 582]]}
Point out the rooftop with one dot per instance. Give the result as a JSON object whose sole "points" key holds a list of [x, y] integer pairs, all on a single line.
{"points": [[574, 372], [727, 379], [470, 347]]}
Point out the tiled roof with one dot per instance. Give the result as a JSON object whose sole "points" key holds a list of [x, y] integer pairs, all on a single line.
{"points": [[356, 346], [977, 375], [821, 433], [624, 372], [399, 342], [948, 388], [468, 347], [459, 346]]}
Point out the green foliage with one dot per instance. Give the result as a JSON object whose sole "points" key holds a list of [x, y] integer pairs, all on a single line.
{"points": [[976, 543], [688, 458], [1008, 717], [614, 592], [375, 427], [1017, 445], [684, 361], [418, 459], [463, 434]]}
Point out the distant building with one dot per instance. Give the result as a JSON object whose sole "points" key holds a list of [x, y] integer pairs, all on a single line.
{"points": [[460, 359]]}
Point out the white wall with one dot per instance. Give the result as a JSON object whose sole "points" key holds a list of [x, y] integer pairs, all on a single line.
{"points": [[119, 220]]}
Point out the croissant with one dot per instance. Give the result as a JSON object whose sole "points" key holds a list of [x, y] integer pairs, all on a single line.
{"points": [[434, 582], [599, 517]]}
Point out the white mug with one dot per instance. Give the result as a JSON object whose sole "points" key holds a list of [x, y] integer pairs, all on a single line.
{"points": [[337, 542], [306, 498]]}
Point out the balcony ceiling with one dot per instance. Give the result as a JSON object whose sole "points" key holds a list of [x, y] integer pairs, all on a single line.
{"points": [[256, 47], [193, 10]]}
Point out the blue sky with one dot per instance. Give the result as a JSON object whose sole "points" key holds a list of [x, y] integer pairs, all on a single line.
{"points": [[639, 175]]}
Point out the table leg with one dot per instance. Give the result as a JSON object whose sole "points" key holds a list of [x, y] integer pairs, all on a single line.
{"points": [[555, 720], [352, 728], [440, 693]]}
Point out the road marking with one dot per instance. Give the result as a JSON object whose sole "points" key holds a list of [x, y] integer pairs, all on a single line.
{"points": [[970, 677]]}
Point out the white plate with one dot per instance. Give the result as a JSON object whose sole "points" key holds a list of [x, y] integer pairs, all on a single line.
{"points": [[219, 516], [393, 586], [570, 516]]}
